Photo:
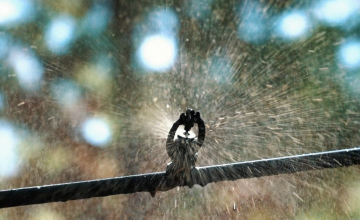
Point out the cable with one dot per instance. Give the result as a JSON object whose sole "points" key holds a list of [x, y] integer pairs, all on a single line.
{"points": [[153, 182]]}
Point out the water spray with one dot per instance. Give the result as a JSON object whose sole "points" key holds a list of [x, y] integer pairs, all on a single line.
{"points": [[181, 171]]}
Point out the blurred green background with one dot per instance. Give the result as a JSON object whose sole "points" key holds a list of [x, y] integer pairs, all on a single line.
{"points": [[90, 89]]}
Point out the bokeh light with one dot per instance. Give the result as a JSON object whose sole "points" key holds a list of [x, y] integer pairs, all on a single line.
{"points": [[97, 74], [155, 40], [96, 132], [253, 24], [2, 101], [60, 34], [4, 45], [220, 69], [252, 29], [336, 12], [28, 68], [9, 160], [47, 214], [158, 53], [13, 12], [162, 20], [199, 9], [96, 19], [293, 25], [349, 53], [65, 92]]}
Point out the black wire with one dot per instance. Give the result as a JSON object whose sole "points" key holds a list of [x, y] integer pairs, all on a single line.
{"points": [[153, 182]]}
